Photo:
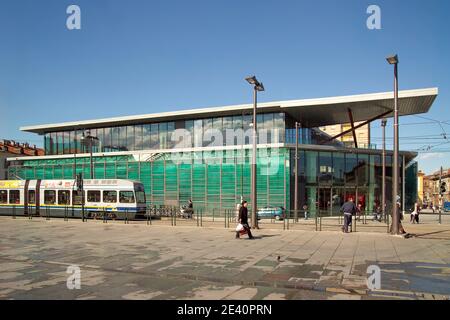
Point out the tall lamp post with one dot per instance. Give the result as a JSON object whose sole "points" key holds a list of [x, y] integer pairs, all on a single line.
{"points": [[296, 173], [383, 175], [90, 140], [393, 60], [257, 86]]}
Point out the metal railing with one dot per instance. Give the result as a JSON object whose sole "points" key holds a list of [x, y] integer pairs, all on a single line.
{"points": [[313, 220]]}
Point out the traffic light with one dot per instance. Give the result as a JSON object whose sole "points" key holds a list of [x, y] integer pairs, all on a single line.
{"points": [[443, 187]]}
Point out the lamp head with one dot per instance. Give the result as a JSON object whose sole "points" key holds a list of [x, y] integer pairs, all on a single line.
{"points": [[393, 59], [259, 87], [251, 80]]}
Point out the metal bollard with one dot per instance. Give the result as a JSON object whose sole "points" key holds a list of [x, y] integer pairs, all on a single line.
{"points": [[201, 218], [225, 218], [387, 223], [288, 221], [196, 218], [14, 212], [47, 213], [316, 220]]}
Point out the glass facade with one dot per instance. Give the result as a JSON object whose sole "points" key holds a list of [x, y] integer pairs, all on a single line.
{"points": [[328, 179], [217, 179], [219, 131], [214, 180]]}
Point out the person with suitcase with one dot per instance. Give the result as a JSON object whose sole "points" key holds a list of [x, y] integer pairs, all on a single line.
{"points": [[243, 220]]}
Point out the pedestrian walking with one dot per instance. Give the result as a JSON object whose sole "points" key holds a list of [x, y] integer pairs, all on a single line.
{"points": [[305, 209], [243, 221], [414, 214], [349, 209], [377, 212], [358, 212]]}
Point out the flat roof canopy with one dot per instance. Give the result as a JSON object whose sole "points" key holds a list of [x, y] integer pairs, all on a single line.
{"points": [[309, 112]]}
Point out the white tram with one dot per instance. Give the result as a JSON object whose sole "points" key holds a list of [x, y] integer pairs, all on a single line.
{"points": [[116, 198]]}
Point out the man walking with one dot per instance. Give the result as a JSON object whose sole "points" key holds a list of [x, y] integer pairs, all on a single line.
{"points": [[243, 219], [349, 209]]}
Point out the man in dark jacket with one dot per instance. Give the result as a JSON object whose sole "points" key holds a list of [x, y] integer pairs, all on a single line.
{"points": [[243, 219], [349, 210]]}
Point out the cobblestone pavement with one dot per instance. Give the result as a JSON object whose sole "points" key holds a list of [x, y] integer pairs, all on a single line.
{"points": [[136, 261]]}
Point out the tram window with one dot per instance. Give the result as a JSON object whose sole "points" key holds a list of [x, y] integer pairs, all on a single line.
{"points": [[31, 196], [110, 196], [126, 197], [14, 196], [77, 197], [93, 196], [140, 196], [63, 197], [3, 196], [49, 197]]}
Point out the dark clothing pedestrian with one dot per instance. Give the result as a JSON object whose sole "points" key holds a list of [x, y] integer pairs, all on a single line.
{"points": [[243, 219], [243, 215], [349, 209]]}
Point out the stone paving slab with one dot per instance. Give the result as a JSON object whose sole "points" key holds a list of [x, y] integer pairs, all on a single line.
{"points": [[137, 261]]}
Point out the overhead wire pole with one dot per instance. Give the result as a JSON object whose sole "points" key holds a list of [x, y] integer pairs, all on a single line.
{"points": [[90, 139]]}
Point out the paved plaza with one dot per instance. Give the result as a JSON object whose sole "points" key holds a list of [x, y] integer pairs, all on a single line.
{"points": [[140, 261]]}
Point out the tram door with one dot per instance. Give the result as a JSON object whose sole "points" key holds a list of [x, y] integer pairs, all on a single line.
{"points": [[38, 196], [25, 197]]}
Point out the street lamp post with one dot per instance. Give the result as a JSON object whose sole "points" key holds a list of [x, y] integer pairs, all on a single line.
{"points": [[383, 179], [296, 173], [257, 86], [393, 60]]}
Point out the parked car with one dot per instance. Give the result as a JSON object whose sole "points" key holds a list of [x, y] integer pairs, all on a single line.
{"points": [[269, 212], [446, 206]]}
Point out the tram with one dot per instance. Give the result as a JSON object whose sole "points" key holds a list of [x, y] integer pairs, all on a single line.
{"points": [[116, 198]]}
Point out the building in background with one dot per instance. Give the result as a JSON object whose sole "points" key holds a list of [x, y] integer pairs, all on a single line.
{"points": [[432, 188], [10, 148], [210, 161], [362, 134], [420, 187]]}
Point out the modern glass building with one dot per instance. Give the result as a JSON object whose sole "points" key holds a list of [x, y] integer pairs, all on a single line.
{"points": [[205, 154]]}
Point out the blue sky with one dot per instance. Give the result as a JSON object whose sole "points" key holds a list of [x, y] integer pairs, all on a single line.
{"points": [[134, 57]]}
